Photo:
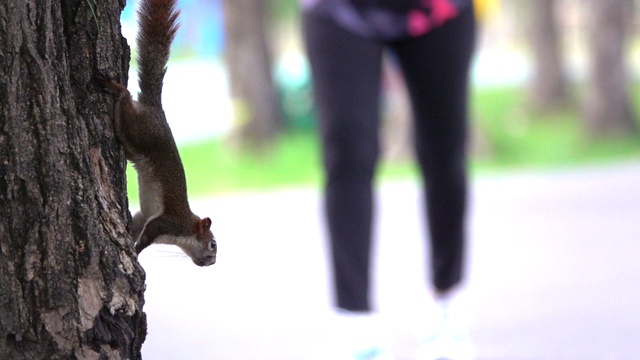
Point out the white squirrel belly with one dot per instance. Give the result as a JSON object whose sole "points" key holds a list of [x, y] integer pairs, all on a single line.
{"points": [[165, 239], [150, 191], [176, 240]]}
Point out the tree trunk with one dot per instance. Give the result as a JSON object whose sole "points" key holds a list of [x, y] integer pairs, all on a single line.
{"points": [[608, 109], [254, 96], [548, 85], [70, 284]]}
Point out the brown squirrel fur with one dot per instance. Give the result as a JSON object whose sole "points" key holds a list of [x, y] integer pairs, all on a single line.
{"points": [[165, 216]]}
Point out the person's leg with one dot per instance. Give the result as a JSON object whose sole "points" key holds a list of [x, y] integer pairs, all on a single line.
{"points": [[436, 68], [346, 75]]}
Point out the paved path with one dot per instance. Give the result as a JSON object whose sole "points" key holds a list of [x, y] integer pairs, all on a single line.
{"points": [[554, 272]]}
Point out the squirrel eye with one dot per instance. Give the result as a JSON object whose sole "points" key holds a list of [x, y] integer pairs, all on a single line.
{"points": [[213, 244]]}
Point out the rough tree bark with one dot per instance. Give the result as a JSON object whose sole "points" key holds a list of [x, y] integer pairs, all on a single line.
{"points": [[548, 85], [248, 62], [70, 284], [608, 110]]}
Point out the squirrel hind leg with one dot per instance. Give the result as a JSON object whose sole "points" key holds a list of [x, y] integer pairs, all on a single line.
{"points": [[126, 106], [110, 84]]}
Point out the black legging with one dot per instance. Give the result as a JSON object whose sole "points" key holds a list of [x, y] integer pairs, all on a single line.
{"points": [[346, 71]]}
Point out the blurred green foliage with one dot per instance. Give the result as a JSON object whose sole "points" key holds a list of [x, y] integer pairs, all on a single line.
{"points": [[515, 139], [284, 10], [519, 138]]}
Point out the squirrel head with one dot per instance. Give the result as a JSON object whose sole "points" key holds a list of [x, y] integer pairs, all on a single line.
{"points": [[203, 250]]}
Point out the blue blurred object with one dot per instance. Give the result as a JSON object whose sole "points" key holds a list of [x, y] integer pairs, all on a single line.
{"points": [[292, 76], [201, 31]]}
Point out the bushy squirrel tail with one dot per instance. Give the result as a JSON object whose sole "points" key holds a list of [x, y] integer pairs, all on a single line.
{"points": [[158, 23]]}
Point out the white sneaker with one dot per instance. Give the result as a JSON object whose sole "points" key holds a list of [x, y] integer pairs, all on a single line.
{"points": [[353, 336], [449, 339]]}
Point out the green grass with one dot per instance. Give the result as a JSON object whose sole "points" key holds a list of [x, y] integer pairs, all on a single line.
{"points": [[213, 167], [519, 138], [516, 138]]}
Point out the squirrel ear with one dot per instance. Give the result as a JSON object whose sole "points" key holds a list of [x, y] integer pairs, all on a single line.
{"points": [[206, 223], [202, 225]]}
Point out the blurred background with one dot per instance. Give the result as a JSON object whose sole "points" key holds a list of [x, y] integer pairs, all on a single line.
{"points": [[554, 83], [555, 157]]}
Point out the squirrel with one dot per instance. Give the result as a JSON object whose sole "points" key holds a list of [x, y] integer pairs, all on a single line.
{"points": [[165, 216]]}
